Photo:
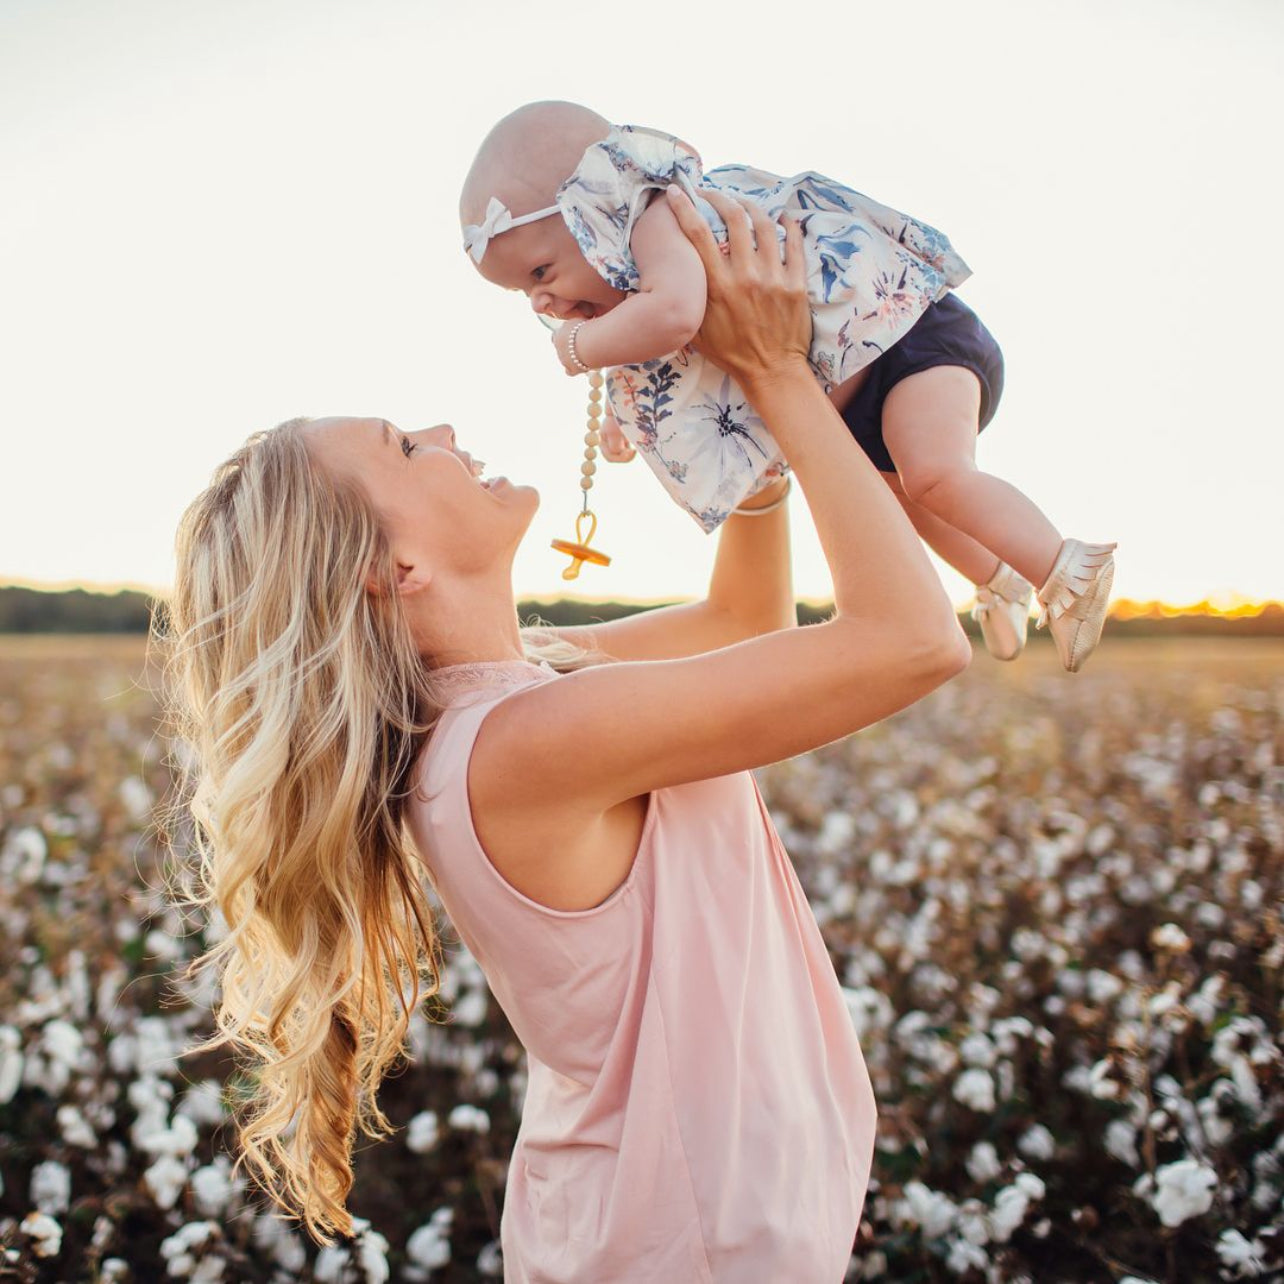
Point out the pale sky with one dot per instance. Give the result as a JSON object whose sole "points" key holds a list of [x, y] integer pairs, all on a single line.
{"points": [[216, 216]]}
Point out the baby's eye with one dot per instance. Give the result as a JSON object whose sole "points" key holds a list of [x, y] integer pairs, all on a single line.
{"points": [[540, 271], [407, 447]]}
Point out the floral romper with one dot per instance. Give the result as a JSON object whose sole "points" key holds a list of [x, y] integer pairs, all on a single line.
{"points": [[871, 272]]}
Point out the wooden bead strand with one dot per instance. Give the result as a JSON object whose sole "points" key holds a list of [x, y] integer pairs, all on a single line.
{"points": [[579, 549]]}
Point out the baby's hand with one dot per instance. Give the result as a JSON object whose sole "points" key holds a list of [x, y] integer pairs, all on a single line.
{"points": [[614, 445], [562, 346]]}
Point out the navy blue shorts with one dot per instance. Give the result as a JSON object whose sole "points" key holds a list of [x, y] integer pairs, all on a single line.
{"points": [[949, 333]]}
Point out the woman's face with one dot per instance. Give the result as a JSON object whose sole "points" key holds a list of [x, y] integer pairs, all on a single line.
{"points": [[440, 516]]}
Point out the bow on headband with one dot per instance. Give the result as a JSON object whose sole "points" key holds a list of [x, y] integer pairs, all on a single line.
{"points": [[477, 236]]}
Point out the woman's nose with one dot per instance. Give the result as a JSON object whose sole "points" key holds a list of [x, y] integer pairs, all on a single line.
{"points": [[442, 435]]}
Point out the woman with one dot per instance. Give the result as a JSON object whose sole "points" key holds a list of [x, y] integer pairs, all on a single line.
{"points": [[359, 696]]}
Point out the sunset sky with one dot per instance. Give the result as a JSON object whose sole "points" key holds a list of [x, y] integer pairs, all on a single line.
{"points": [[220, 215]]}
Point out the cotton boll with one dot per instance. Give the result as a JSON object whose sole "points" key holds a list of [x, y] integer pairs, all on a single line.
{"points": [[165, 1180], [1245, 1257], [468, 1118], [929, 1209], [212, 1188], [331, 1265], [422, 1132], [470, 1008], [1121, 1142], [11, 1062], [983, 1162], [490, 1261], [45, 1233], [203, 1103], [372, 1256], [1037, 1143], [1183, 1190], [50, 1189], [966, 1256], [429, 1246], [975, 1089], [75, 1128]]}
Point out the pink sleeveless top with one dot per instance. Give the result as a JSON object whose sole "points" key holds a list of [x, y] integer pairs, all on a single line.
{"points": [[697, 1106]]}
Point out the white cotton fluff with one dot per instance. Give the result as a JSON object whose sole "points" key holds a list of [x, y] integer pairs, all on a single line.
{"points": [[930, 1210], [203, 1103], [983, 1162], [372, 1256], [1245, 1257], [490, 1261], [137, 798], [470, 1008], [1121, 1142], [45, 1233], [23, 857], [975, 1089], [330, 1266], [165, 1180], [422, 1132], [429, 1246], [468, 1118], [10, 1062], [1037, 1143], [211, 1188], [75, 1128], [978, 1050], [1183, 1190], [50, 1189], [966, 1256]]}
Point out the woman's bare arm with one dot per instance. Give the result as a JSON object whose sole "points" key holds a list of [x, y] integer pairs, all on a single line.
{"points": [[750, 592], [666, 310], [584, 744]]}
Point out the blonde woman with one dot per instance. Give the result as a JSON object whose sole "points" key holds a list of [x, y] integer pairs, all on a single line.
{"points": [[365, 711]]}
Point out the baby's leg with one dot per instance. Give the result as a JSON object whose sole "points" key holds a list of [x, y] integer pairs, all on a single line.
{"points": [[972, 560], [929, 426]]}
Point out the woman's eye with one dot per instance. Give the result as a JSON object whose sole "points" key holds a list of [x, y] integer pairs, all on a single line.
{"points": [[407, 447]]}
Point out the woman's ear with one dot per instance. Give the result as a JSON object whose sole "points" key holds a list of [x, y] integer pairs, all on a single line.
{"points": [[405, 581]]}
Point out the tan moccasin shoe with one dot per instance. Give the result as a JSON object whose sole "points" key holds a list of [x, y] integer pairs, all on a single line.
{"points": [[1075, 598]]}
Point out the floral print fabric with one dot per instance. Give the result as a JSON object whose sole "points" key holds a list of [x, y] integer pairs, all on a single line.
{"points": [[871, 272]]}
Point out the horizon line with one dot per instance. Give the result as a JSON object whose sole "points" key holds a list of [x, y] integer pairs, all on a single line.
{"points": [[1220, 604]]}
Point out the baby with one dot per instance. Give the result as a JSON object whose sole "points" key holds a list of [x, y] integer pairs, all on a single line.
{"points": [[559, 203]]}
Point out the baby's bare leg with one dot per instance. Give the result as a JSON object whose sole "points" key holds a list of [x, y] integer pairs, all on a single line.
{"points": [[929, 425], [972, 560]]}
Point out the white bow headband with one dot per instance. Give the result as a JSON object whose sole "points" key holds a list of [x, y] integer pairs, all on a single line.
{"points": [[477, 236]]}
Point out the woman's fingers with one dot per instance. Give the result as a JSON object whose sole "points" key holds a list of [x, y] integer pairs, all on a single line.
{"points": [[795, 265], [740, 239], [697, 232]]}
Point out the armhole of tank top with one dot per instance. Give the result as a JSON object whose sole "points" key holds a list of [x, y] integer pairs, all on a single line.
{"points": [[462, 800]]}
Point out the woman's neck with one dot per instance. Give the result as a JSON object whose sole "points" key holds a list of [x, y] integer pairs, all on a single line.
{"points": [[465, 627]]}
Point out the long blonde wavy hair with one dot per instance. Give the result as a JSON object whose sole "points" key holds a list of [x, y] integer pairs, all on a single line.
{"points": [[294, 681]]}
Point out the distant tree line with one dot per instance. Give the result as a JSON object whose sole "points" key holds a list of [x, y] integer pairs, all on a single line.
{"points": [[27, 610]]}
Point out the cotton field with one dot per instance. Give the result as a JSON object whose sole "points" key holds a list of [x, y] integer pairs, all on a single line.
{"points": [[1056, 904]]}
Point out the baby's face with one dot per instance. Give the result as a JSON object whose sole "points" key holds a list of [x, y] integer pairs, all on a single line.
{"points": [[543, 261]]}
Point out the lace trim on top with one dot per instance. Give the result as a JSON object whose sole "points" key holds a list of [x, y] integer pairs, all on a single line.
{"points": [[455, 683]]}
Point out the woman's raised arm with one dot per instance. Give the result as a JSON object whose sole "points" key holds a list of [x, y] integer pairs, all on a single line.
{"points": [[600, 736], [750, 592]]}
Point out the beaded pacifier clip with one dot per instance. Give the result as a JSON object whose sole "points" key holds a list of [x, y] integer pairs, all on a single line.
{"points": [[579, 549]]}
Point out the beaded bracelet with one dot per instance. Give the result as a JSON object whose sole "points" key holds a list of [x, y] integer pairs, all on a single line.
{"points": [[570, 349]]}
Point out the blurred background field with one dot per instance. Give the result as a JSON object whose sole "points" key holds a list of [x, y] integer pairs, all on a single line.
{"points": [[1055, 902]]}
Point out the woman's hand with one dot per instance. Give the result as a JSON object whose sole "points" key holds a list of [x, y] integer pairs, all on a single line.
{"points": [[757, 323]]}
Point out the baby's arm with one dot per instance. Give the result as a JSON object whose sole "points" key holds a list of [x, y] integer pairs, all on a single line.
{"points": [[665, 312]]}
